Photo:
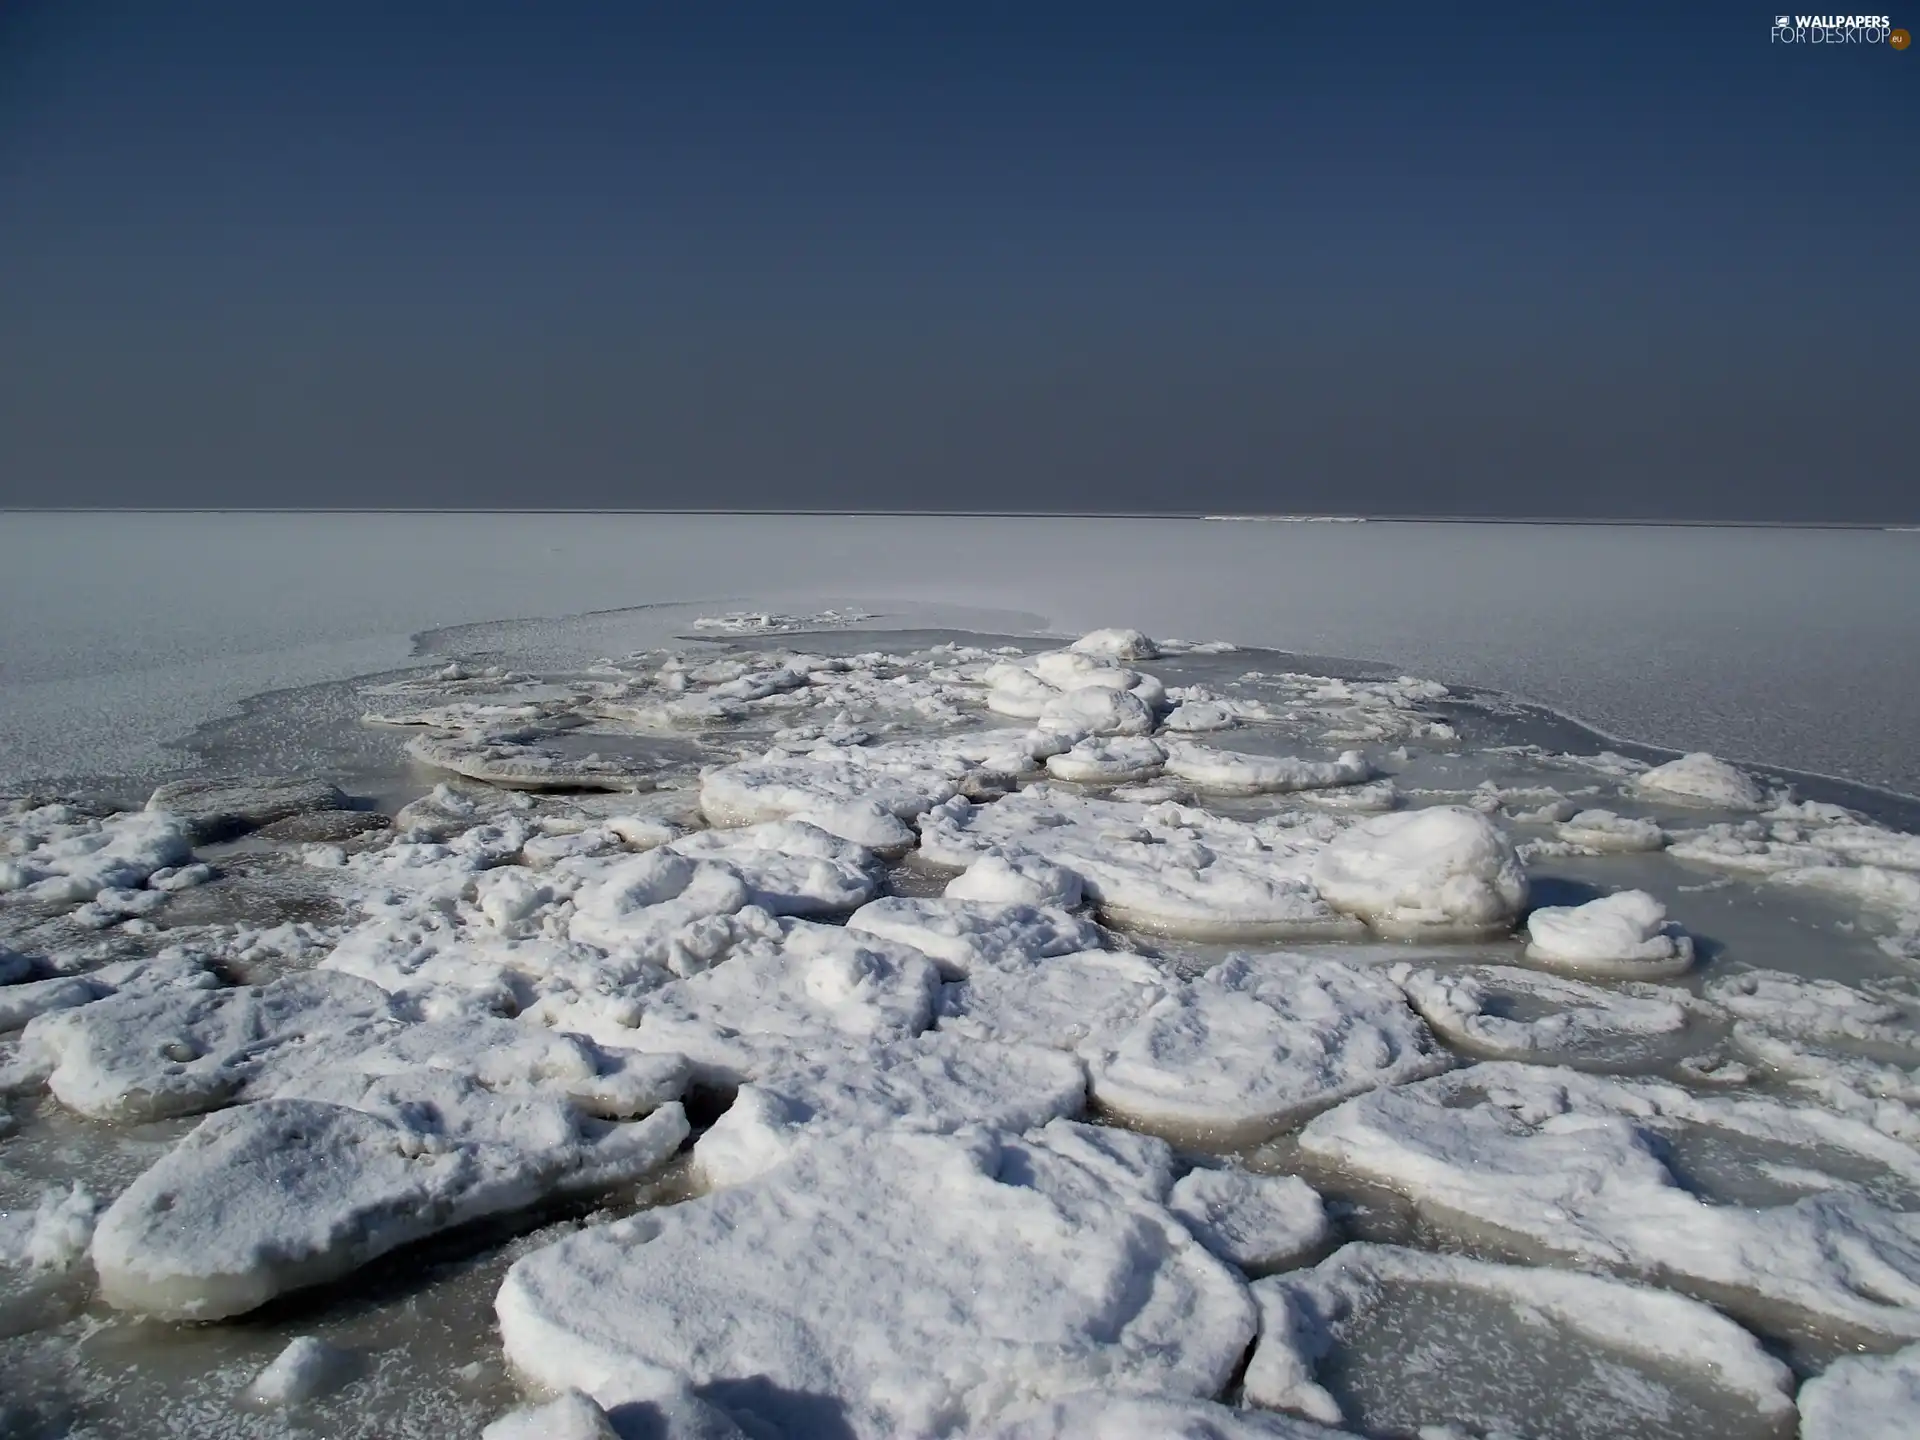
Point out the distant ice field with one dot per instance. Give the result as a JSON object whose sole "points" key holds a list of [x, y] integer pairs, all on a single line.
{"points": [[1778, 647]]}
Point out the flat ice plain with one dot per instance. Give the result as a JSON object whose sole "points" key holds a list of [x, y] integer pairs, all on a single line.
{"points": [[879, 998]]}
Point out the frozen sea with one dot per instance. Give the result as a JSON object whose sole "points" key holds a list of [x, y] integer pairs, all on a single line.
{"points": [[751, 977], [1782, 647]]}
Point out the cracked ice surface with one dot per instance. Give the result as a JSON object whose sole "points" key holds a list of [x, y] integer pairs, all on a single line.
{"points": [[770, 1032]]}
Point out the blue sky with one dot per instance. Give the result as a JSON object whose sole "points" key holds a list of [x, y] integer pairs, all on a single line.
{"points": [[1567, 260]]}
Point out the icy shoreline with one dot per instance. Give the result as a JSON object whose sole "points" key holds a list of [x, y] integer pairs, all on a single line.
{"points": [[966, 997]]}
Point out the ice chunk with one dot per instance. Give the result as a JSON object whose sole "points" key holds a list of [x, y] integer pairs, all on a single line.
{"points": [[1069, 1002], [307, 1369], [169, 970], [1016, 879], [1442, 871], [1608, 833], [1199, 717], [213, 810], [281, 1194], [1814, 1009], [515, 759], [59, 856], [1259, 1043], [1229, 772], [1636, 1359], [1116, 644], [1470, 1008], [1164, 868], [864, 823], [934, 1082], [814, 990], [1096, 710], [1624, 934], [774, 789], [1628, 1176], [791, 868], [637, 907], [885, 1285], [1700, 779], [52, 1235], [1105, 761], [963, 935], [1863, 1397], [1260, 1223], [568, 1416], [183, 1051]]}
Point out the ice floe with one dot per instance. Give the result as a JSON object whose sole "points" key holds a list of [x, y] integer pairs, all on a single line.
{"points": [[1259, 1223], [212, 810], [1701, 779], [305, 1370], [935, 1083], [1473, 1009], [1258, 1043], [516, 759], [1626, 1175], [1228, 772], [963, 935], [1071, 1002], [1443, 871], [1863, 1397], [1563, 1350], [886, 1284], [1016, 879], [1097, 761], [1104, 1415], [1625, 934]]}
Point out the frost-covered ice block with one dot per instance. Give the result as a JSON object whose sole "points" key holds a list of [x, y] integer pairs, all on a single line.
{"points": [[1443, 871], [1068, 1002], [1096, 710], [183, 1051], [1228, 772], [884, 1285], [515, 759], [790, 868], [58, 855], [1100, 760], [282, 1194], [213, 810], [1701, 779], [1608, 833], [863, 822], [1257, 1044], [934, 1082], [1016, 879], [1199, 717], [1470, 1008], [1624, 934], [1422, 1339], [1106, 1415], [1765, 1209], [307, 1369], [637, 907], [1881, 1092], [1116, 643], [1165, 868], [963, 935], [1260, 1223], [570, 1415], [1863, 1397], [1815, 1009], [781, 786], [814, 990], [39, 1248], [171, 969]]}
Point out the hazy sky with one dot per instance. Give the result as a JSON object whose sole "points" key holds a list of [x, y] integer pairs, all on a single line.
{"points": [[1541, 259]]}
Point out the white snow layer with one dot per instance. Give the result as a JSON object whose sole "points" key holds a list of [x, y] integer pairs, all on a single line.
{"points": [[1863, 1397], [1700, 779], [1576, 1168], [1303, 1316], [897, 1283], [1424, 873], [1623, 934]]}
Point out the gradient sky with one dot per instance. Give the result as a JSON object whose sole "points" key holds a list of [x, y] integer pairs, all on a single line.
{"points": [[1549, 259]]}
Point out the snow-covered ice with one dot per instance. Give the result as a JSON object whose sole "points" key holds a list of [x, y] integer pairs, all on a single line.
{"points": [[886, 1284], [1863, 1397], [964, 935], [1259, 1043], [1473, 1009], [1624, 934], [1442, 871], [1260, 1223], [1615, 1347], [1624, 1175], [1702, 779]]}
